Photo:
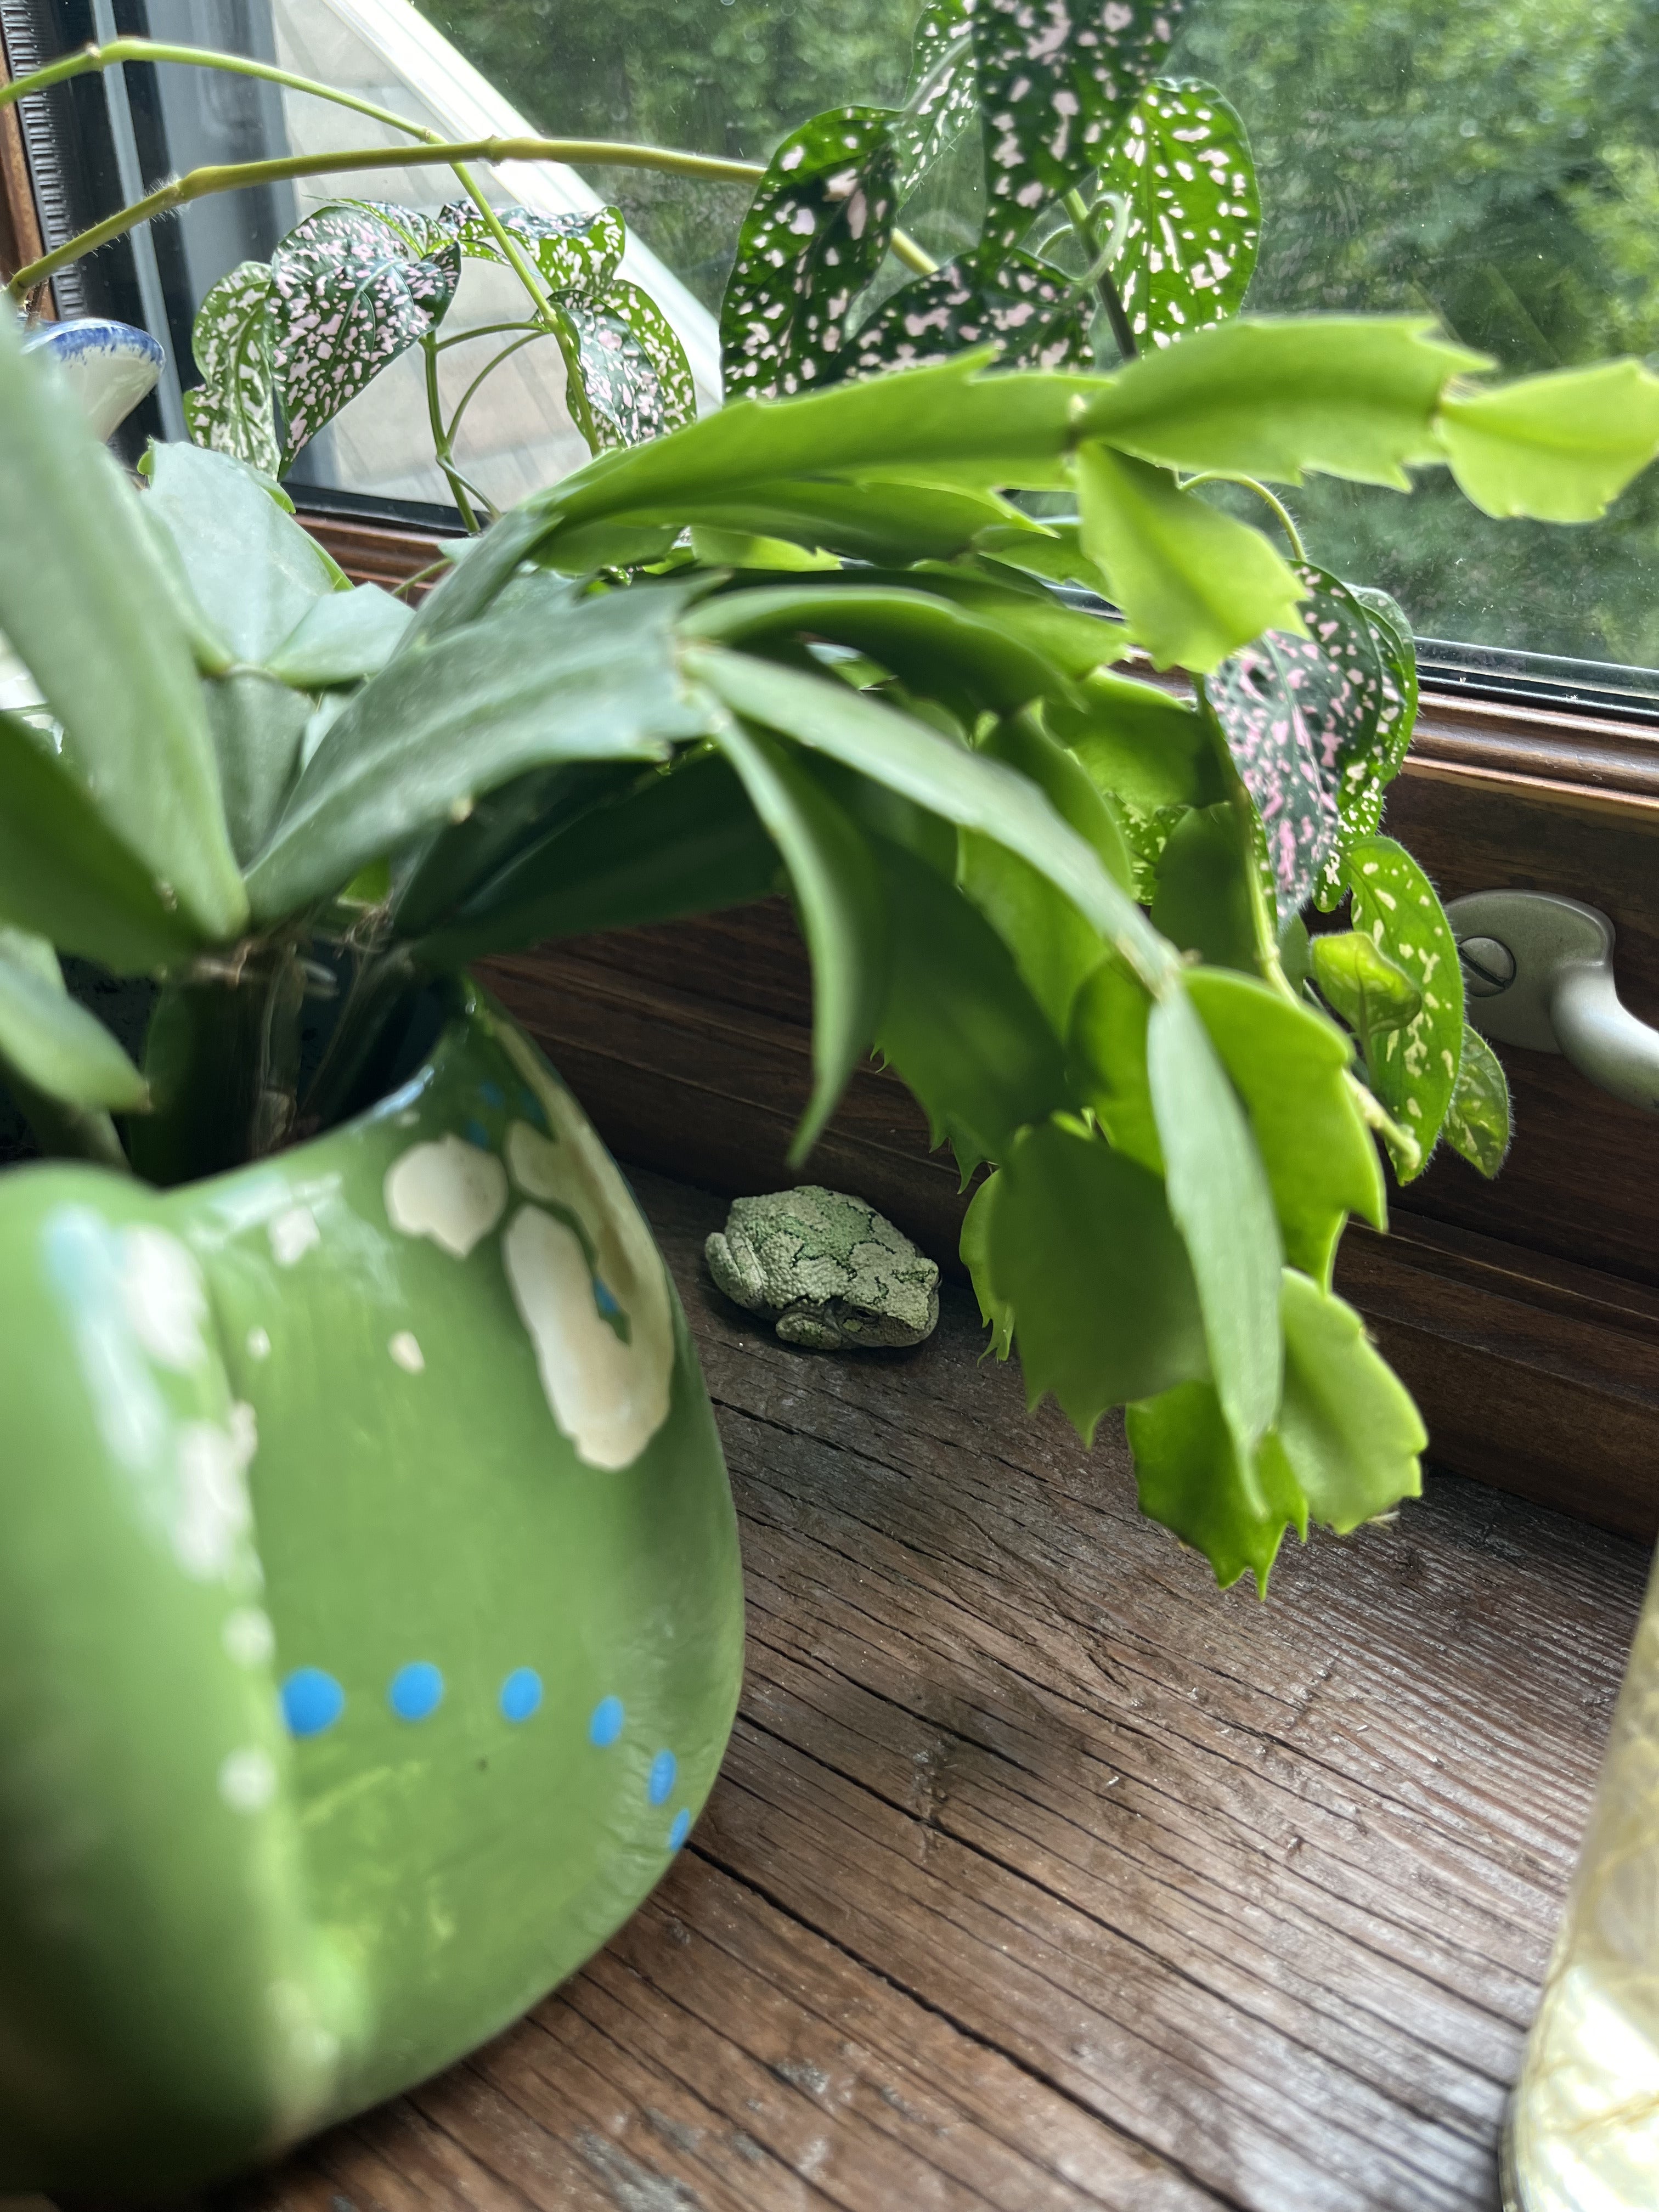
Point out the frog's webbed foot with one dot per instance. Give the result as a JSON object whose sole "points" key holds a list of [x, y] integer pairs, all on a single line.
{"points": [[810, 1326], [736, 1270]]}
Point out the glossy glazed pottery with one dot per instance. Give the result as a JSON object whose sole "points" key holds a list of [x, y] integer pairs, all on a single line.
{"points": [[109, 366], [370, 1614]]}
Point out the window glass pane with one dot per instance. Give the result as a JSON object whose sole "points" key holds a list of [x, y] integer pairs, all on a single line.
{"points": [[1491, 164]]}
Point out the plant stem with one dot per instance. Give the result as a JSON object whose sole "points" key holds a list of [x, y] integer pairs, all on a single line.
{"points": [[1225, 476], [233, 176], [435, 415], [1105, 289], [489, 369]]}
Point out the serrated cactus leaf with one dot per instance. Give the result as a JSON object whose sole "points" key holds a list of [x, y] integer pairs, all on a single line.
{"points": [[813, 238], [1295, 711], [351, 288], [942, 94], [574, 253], [233, 409], [635, 380], [1058, 80], [1035, 314], [1193, 218]]}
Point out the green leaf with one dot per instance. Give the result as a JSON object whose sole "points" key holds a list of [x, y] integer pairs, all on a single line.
{"points": [[683, 841], [975, 1248], [349, 292], [1076, 641], [1054, 552], [1085, 1254], [233, 409], [1348, 1429], [1204, 899], [63, 872], [1194, 584], [1296, 714], [255, 572], [1033, 315], [1108, 1040], [1190, 1477], [1290, 1067], [341, 639], [86, 605], [1055, 88], [438, 875], [53, 1045], [1352, 396], [953, 428], [1194, 217], [966, 788], [942, 97], [579, 251], [1414, 1070], [1344, 1449], [1365, 774], [1558, 447], [450, 719], [842, 905], [1479, 1122], [1220, 1197], [958, 1024], [635, 380], [966, 658], [1152, 754], [259, 733], [815, 234], [1372, 993]]}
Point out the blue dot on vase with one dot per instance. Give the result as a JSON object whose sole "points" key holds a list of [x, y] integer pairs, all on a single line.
{"points": [[493, 1095], [606, 1722], [532, 1106], [417, 1690], [521, 1693], [476, 1134], [311, 1701], [663, 1768], [680, 1831], [605, 1299]]}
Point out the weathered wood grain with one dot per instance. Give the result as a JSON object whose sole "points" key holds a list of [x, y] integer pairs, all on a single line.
{"points": [[1041, 1875]]}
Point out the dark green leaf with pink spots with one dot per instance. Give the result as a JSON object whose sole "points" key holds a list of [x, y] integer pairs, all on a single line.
{"points": [[1367, 772], [1413, 1069], [636, 382], [1035, 314], [351, 288], [575, 253], [1058, 82], [1295, 712], [233, 409], [812, 240], [1193, 216], [942, 97]]}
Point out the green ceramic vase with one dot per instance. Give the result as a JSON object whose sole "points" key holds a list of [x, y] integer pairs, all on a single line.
{"points": [[370, 1614]]}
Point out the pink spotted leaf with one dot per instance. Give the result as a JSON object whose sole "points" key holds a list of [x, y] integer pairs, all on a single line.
{"points": [[1035, 314]]}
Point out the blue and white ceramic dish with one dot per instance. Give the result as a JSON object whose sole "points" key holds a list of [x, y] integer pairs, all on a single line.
{"points": [[110, 366]]}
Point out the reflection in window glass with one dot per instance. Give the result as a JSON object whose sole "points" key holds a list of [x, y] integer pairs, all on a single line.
{"points": [[1491, 164]]}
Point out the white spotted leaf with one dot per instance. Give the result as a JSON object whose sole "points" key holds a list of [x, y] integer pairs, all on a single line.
{"points": [[1058, 82], [631, 380], [1193, 218], [1413, 1069], [815, 236], [1294, 711], [353, 286], [1367, 773], [1480, 1123], [942, 96], [1034, 314], [233, 409], [574, 252]]}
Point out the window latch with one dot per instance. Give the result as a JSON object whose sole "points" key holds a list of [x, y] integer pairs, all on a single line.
{"points": [[1538, 972]]}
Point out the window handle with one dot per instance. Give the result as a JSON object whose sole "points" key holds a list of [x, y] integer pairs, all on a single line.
{"points": [[1538, 971]]}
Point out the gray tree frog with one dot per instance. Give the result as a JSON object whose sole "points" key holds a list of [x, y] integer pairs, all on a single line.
{"points": [[833, 1273]]}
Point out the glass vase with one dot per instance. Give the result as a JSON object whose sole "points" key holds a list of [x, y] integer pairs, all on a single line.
{"points": [[1583, 2133]]}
